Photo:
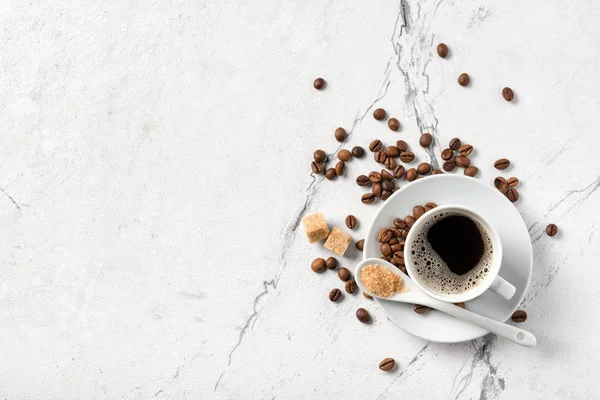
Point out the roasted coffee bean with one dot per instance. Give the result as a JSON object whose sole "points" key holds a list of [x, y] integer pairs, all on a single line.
{"points": [[402, 145], [465, 150], [368, 198], [442, 50], [320, 156], [447, 154], [387, 364], [344, 274], [385, 249], [461, 304], [551, 230], [335, 295], [407, 156], [375, 177], [398, 258], [331, 263], [512, 181], [351, 221], [340, 134], [318, 265], [319, 83], [410, 221], [368, 296], [424, 168], [405, 233], [403, 269], [500, 183], [379, 114], [380, 157], [358, 152], [385, 175], [419, 309], [471, 171], [418, 211], [375, 145], [360, 245], [399, 171], [399, 223], [330, 173], [388, 185], [392, 151], [508, 94], [519, 316], [385, 194], [363, 180], [363, 315], [344, 155], [384, 258], [464, 79], [512, 194], [502, 163], [390, 163], [376, 189], [455, 144], [425, 140], [396, 247], [394, 124], [449, 165], [411, 174], [340, 167], [394, 239], [317, 168], [462, 161], [429, 206], [384, 235], [350, 286], [436, 172]]}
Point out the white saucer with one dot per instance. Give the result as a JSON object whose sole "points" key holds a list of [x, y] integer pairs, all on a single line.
{"points": [[493, 206]]}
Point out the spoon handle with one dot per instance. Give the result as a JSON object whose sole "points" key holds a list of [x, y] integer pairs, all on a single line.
{"points": [[511, 333]]}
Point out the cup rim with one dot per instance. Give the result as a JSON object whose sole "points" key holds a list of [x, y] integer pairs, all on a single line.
{"points": [[496, 262]]}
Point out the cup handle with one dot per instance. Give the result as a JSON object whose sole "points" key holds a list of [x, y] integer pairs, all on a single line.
{"points": [[503, 288]]}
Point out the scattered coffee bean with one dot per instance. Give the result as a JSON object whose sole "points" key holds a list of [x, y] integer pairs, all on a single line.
{"points": [[500, 183], [320, 156], [405, 233], [376, 189], [360, 245], [461, 304], [335, 295], [399, 223], [449, 165], [375, 145], [465, 150], [385, 249], [344, 155], [455, 144], [519, 316], [351, 221], [551, 230], [358, 152], [436, 172], [363, 180], [471, 171], [418, 211], [340, 134], [386, 176], [330, 173], [399, 171], [429, 206], [331, 263], [388, 185], [462, 161], [344, 274], [411, 174], [350, 286], [402, 145], [390, 163], [442, 50], [380, 157], [395, 235], [363, 315], [398, 257], [464, 79], [385, 194], [384, 258], [419, 309], [367, 198], [319, 83], [512, 194], [512, 181], [379, 114], [375, 177], [425, 140], [396, 247], [318, 265], [424, 168], [394, 124], [502, 163], [447, 154], [407, 156], [392, 151], [387, 364], [384, 235], [317, 168], [508, 94], [340, 167], [410, 221], [368, 296]]}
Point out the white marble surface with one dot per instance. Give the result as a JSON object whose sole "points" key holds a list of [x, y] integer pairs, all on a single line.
{"points": [[155, 163]]}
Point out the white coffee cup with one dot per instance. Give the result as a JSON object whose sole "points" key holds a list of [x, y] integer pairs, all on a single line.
{"points": [[490, 281]]}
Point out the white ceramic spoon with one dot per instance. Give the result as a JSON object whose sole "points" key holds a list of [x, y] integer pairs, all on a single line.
{"points": [[413, 295]]}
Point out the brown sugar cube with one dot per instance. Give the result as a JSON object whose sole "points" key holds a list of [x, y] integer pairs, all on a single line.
{"points": [[315, 227], [338, 241]]}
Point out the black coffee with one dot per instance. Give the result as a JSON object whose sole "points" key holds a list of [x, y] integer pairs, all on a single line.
{"points": [[457, 241]]}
